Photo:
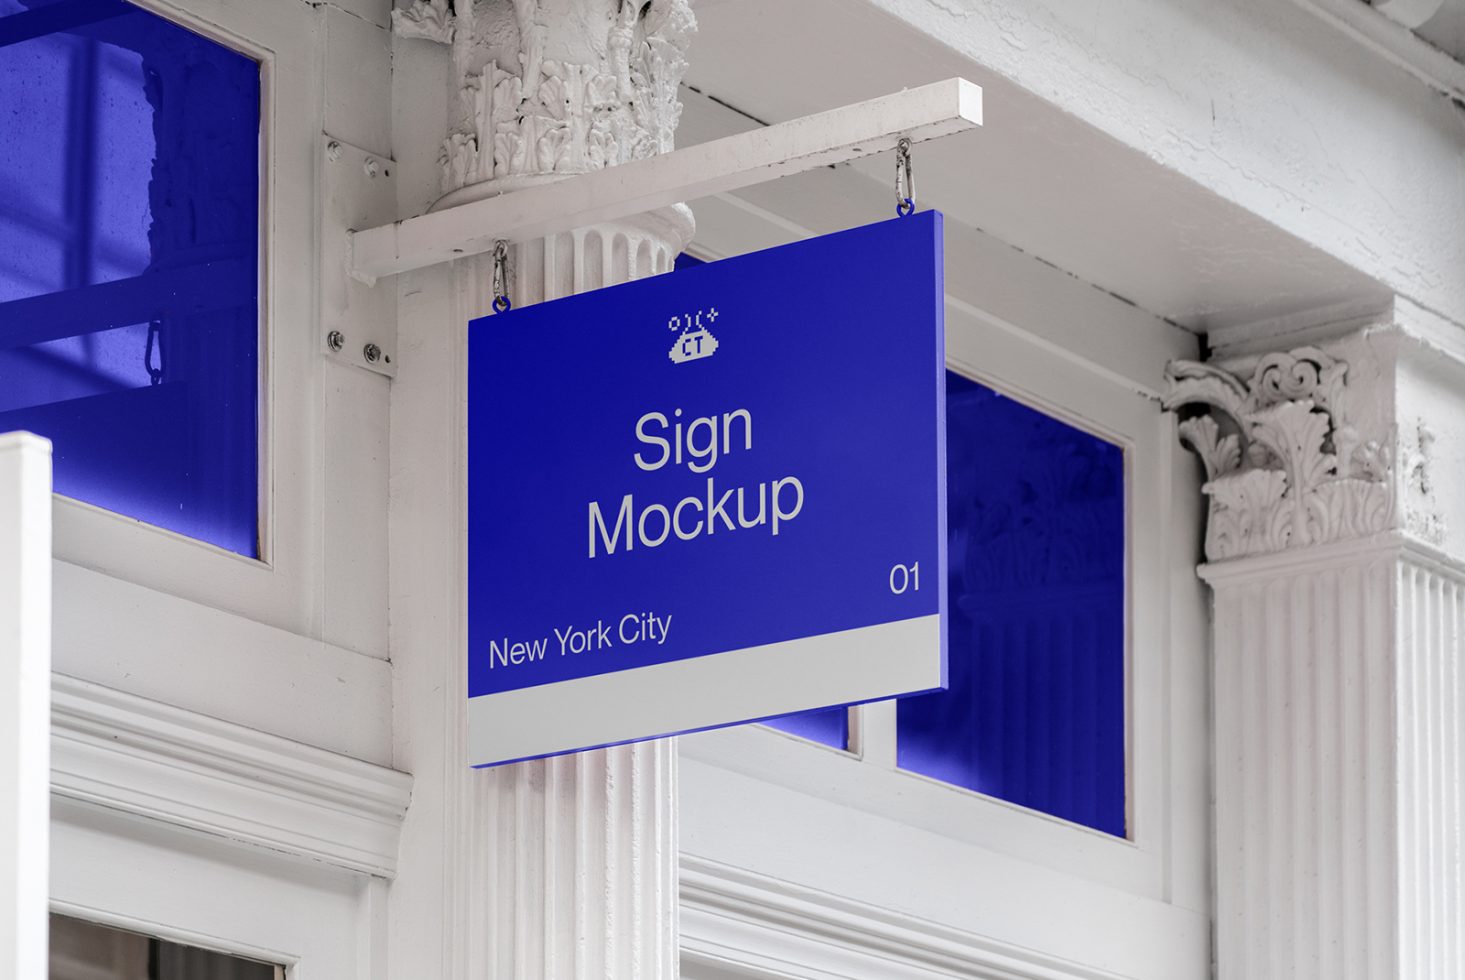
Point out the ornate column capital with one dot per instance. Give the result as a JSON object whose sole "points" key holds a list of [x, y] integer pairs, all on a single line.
{"points": [[1285, 464], [547, 87]]}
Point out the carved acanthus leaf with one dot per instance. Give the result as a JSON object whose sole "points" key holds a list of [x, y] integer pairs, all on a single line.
{"points": [[1292, 471], [1192, 382], [431, 20], [1305, 373], [1246, 513], [1295, 434], [1220, 454]]}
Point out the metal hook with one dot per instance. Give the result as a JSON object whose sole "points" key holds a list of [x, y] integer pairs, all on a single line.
{"points": [[905, 184], [154, 343], [501, 302]]}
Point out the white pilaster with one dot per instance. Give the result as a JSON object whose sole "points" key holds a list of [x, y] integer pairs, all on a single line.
{"points": [[1338, 631], [25, 703], [560, 868]]}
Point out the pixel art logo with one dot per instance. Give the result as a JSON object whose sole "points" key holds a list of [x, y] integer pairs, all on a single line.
{"points": [[695, 341]]}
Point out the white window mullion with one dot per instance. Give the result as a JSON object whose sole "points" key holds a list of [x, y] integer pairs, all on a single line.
{"points": [[872, 733]]}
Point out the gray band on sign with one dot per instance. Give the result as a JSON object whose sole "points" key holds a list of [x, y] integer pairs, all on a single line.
{"points": [[722, 688]]}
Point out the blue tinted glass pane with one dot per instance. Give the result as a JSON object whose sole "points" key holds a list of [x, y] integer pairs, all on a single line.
{"points": [[1035, 710], [129, 243], [828, 727]]}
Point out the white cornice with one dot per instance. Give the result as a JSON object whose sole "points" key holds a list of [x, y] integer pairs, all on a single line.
{"points": [[739, 923], [1394, 42], [127, 753], [1314, 327], [1320, 327]]}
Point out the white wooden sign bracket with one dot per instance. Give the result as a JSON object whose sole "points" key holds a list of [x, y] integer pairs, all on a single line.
{"points": [[723, 165]]}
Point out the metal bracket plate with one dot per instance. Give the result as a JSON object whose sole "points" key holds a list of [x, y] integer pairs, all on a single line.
{"points": [[358, 323]]}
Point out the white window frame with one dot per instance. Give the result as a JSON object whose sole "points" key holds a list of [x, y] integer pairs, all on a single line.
{"points": [[276, 587], [1065, 390], [145, 610]]}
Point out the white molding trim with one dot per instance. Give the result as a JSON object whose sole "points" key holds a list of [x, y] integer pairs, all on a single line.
{"points": [[1392, 41], [143, 757], [737, 923], [1385, 545]]}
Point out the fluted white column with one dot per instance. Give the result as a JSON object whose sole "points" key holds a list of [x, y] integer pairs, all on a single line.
{"points": [[1339, 628], [564, 868], [574, 859]]}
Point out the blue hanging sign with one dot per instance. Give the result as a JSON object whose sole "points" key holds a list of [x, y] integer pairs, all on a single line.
{"points": [[709, 497]]}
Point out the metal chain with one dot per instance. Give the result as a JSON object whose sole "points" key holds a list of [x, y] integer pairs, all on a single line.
{"points": [[501, 303], [905, 184]]}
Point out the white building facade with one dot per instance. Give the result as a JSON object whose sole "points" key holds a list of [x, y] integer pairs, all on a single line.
{"points": [[1227, 238]]}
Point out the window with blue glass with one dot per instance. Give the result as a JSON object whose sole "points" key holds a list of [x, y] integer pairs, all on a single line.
{"points": [[1035, 709], [129, 262], [827, 727], [1034, 714]]}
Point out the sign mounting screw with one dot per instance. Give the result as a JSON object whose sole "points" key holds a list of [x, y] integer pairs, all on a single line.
{"points": [[372, 353], [335, 340]]}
